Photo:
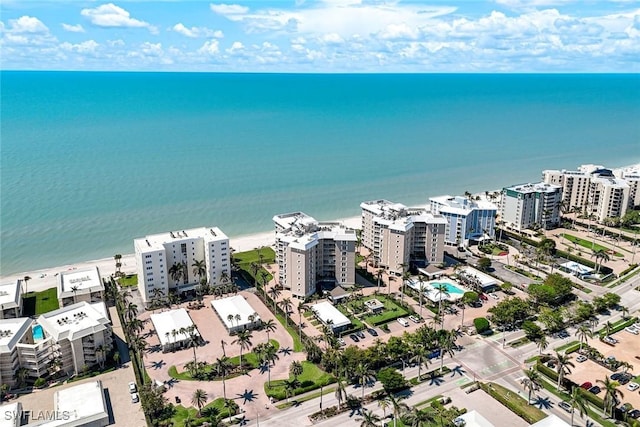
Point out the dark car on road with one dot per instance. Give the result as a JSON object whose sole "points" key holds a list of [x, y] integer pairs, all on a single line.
{"points": [[595, 389], [354, 337], [372, 332]]}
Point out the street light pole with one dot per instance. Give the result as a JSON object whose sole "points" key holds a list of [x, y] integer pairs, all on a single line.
{"points": [[320, 397]]}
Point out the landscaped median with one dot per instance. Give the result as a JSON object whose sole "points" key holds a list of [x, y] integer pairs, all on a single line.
{"points": [[312, 378], [514, 402], [214, 412]]}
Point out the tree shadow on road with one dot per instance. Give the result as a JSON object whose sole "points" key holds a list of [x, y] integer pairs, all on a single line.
{"points": [[458, 370], [543, 402], [247, 396]]}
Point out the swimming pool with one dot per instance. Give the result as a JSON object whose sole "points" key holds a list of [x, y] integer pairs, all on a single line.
{"points": [[448, 286], [38, 333]]}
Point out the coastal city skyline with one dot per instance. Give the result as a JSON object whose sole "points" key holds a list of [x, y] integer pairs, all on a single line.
{"points": [[341, 36]]}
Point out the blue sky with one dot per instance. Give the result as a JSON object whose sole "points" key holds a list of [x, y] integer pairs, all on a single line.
{"points": [[322, 36]]}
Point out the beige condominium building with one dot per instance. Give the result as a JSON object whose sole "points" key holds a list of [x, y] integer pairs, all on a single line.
{"points": [[160, 256], [632, 177], [595, 190], [10, 300], [80, 285], [397, 235], [531, 205], [309, 252]]}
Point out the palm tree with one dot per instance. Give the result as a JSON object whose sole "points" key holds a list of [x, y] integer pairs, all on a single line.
{"points": [[341, 391], [26, 279], [223, 366], [419, 418], [274, 293], [230, 319], [421, 290], [199, 398], [176, 272], [74, 289], [269, 326], [421, 357], [118, 258], [611, 394], [369, 419], [238, 319], [289, 387], [578, 401], [244, 341], [405, 276], [100, 353], [255, 268], [379, 274], [531, 382], [563, 365], [302, 307], [296, 369], [542, 343], [447, 345], [363, 375], [286, 305], [384, 404], [398, 406], [583, 333], [132, 311], [199, 269], [443, 293], [267, 354], [602, 256]]}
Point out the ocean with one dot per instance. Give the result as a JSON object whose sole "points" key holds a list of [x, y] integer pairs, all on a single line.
{"points": [[91, 160]]}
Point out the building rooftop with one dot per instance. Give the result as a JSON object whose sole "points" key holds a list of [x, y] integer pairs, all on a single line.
{"points": [[174, 320], [301, 231], [385, 209], [82, 280], [75, 321], [157, 241], [473, 419], [12, 331], [484, 279], [327, 313], [538, 187], [235, 305], [82, 405], [295, 223], [551, 421], [460, 205], [10, 294]]}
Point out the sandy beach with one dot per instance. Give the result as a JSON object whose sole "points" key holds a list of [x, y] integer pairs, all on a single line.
{"points": [[48, 277]]}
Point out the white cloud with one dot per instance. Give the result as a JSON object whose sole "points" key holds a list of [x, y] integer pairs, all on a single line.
{"points": [[228, 9], [195, 32], [88, 46], [332, 38], [210, 47], [116, 43], [399, 31], [112, 16], [73, 28], [26, 24]]}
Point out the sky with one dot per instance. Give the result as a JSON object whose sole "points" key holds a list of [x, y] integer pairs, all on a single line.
{"points": [[334, 36]]}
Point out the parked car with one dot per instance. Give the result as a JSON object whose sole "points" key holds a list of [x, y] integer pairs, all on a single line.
{"points": [[483, 297], [475, 304], [403, 321], [616, 376], [342, 342], [610, 340], [586, 385], [632, 330], [635, 413], [565, 405], [132, 387], [354, 337], [563, 334], [627, 407], [135, 398], [414, 319], [372, 332], [624, 379], [633, 386], [360, 335], [494, 296], [581, 358], [595, 389]]}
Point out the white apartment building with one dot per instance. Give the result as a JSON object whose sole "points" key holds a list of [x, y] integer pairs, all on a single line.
{"points": [[82, 334], [309, 252], [80, 285], [575, 186], [10, 300], [398, 236], [159, 254], [632, 178], [466, 220], [529, 205], [609, 196]]}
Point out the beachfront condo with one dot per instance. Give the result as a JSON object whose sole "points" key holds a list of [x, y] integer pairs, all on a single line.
{"points": [[165, 262], [632, 178], [21, 347], [75, 286], [309, 253], [529, 206], [10, 300], [398, 236], [594, 190], [467, 219]]}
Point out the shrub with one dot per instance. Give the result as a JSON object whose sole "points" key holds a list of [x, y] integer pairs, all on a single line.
{"points": [[481, 324], [391, 379], [40, 382]]}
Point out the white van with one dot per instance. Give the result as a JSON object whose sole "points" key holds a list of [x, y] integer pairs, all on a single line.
{"points": [[403, 321]]}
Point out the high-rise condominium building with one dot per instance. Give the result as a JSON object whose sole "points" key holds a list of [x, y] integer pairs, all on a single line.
{"points": [[467, 220], [531, 205], [398, 236], [166, 261], [309, 252]]}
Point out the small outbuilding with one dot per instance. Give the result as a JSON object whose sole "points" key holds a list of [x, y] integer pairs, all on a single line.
{"points": [[174, 328], [331, 316], [236, 314]]}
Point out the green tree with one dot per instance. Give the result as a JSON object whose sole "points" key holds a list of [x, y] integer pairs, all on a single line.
{"points": [[481, 324], [369, 419], [563, 366], [269, 326], [391, 379], [296, 369], [531, 382], [199, 268], [244, 341], [26, 279], [484, 264], [583, 333], [223, 367], [274, 293], [363, 375], [421, 358], [399, 407], [578, 401], [532, 331], [198, 399], [286, 305], [341, 391], [542, 343], [611, 395]]}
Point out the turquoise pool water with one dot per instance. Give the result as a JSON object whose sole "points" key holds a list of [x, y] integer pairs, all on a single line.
{"points": [[38, 333], [448, 286]]}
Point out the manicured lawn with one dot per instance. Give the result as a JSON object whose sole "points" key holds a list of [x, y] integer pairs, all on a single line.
{"points": [[244, 260], [356, 323], [128, 280], [310, 379], [391, 312], [183, 413], [514, 402], [293, 331], [36, 303], [590, 245]]}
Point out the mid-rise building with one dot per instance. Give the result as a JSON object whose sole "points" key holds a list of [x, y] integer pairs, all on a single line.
{"points": [[466, 219], [632, 178], [398, 236], [75, 286], [574, 184], [166, 261], [309, 252], [609, 196], [531, 205], [82, 333], [10, 300]]}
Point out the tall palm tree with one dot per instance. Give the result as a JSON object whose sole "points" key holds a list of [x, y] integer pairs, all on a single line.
{"points": [[611, 395], [296, 369], [578, 401], [531, 381], [286, 305], [405, 276], [118, 258], [244, 341], [302, 307], [363, 375], [274, 293], [600, 255], [398, 406], [74, 289], [223, 366], [421, 358], [369, 419], [176, 272], [384, 404], [419, 418], [583, 333], [269, 326], [199, 398], [267, 354], [421, 288], [442, 293], [199, 269], [341, 391], [26, 279], [132, 311], [447, 342], [563, 365], [542, 343], [379, 274], [230, 318]]}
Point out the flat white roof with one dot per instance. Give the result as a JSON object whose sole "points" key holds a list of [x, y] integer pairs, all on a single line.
{"points": [[485, 279], [168, 321], [10, 414], [461, 205], [83, 280], [551, 421], [81, 404], [577, 267], [235, 305], [10, 294], [384, 208], [327, 312], [474, 419], [302, 232], [537, 187], [75, 321], [157, 241], [12, 331]]}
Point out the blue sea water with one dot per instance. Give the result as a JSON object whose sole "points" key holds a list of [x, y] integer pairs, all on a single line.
{"points": [[91, 160]]}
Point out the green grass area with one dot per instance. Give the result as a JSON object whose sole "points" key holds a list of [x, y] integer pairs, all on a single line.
{"points": [[128, 280], [514, 402], [590, 245], [523, 272], [36, 303], [293, 331], [182, 414], [310, 379], [310, 396], [519, 342], [616, 326], [391, 311], [567, 345], [532, 359], [426, 403], [244, 259]]}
